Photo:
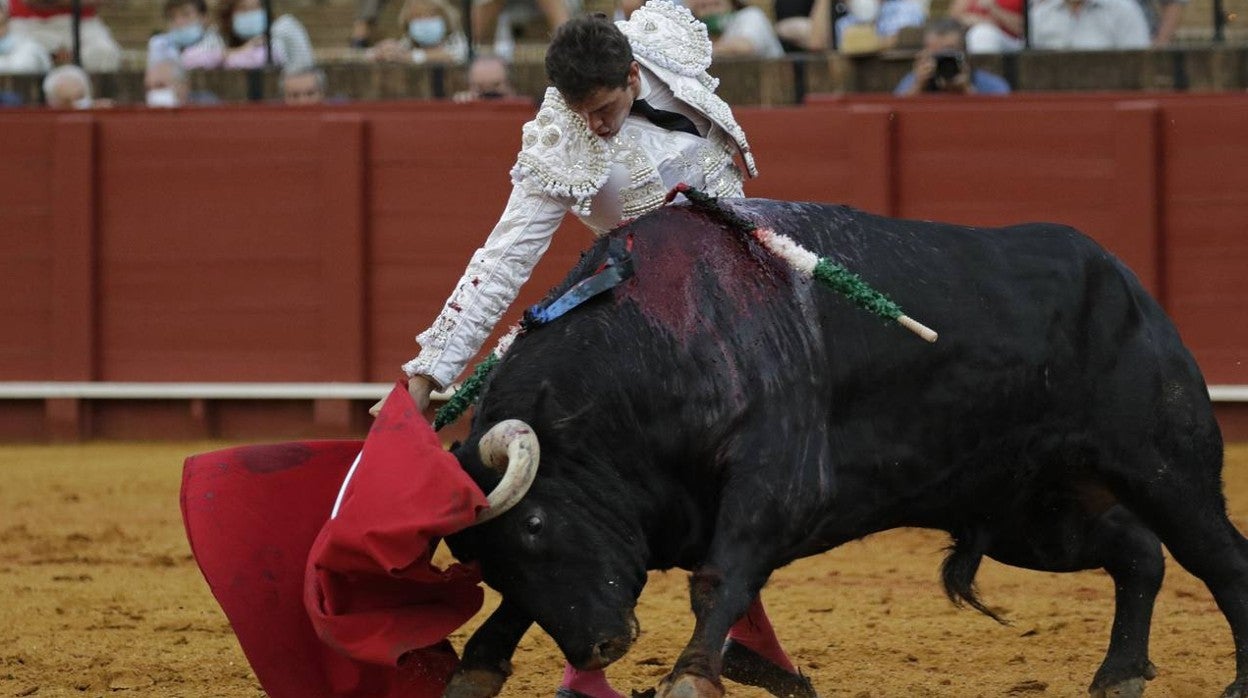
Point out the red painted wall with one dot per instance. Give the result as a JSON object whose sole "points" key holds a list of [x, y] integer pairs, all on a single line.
{"points": [[268, 244]]}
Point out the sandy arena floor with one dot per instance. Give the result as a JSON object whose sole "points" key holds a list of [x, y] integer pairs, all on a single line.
{"points": [[99, 596]]}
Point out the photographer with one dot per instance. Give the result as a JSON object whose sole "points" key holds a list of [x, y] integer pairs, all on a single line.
{"points": [[942, 66]]}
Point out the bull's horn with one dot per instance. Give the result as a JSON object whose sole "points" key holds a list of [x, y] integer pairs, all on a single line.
{"points": [[509, 447]]}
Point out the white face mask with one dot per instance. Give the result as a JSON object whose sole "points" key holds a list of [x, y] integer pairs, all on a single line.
{"points": [[162, 97], [84, 103], [427, 31], [186, 35], [248, 23]]}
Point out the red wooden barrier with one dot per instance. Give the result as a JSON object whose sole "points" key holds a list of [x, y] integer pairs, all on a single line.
{"points": [[270, 244]]}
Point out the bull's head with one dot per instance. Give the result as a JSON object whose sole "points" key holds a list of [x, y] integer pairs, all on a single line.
{"points": [[551, 547]]}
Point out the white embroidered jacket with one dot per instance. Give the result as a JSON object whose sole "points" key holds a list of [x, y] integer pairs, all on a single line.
{"points": [[563, 166]]}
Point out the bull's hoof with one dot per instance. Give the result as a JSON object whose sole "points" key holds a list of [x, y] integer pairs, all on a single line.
{"points": [[474, 683], [1123, 680], [1130, 688], [745, 666], [689, 686], [1239, 689]]}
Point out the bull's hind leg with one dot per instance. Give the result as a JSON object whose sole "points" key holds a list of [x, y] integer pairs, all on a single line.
{"points": [[1062, 538], [753, 656], [1182, 501]]}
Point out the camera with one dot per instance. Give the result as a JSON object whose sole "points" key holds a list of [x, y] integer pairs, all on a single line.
{"points": [[949, 65]]}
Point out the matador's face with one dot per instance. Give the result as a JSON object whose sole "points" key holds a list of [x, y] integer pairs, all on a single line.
{"points": [[605, 109]]}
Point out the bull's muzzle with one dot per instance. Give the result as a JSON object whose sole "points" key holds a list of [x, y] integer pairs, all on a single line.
{"points": [[608, 651], [509, 447]]}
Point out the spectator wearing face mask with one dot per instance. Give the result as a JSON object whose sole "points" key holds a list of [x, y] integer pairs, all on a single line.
{"points": [[19, 54], [243, 23], [188, 37], [431, 34], [165, 84]]}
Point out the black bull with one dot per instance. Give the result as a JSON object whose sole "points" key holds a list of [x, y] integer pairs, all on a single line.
{"points": [[721, 414]]}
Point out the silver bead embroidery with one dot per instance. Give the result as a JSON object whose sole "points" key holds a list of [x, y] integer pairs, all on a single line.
{"points": [[565, 158], [669, 36]]}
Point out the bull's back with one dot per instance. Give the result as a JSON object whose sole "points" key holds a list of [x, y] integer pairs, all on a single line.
{"points": [[1043, 336]]}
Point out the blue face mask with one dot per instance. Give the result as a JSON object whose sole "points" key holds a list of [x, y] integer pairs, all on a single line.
{"points": [[186, 35], [6, 43], [248, 24], [427, 31]]}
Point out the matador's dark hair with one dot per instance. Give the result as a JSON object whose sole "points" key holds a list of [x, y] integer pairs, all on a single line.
{"points": [[585, 54]]}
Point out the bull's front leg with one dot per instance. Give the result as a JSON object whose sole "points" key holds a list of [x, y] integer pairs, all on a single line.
{"points": [[720, 592], [486, 663]]}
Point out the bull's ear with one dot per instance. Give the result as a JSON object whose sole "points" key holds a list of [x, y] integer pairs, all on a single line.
{"points": [[544, 408], [550, 417], [553, 417]]}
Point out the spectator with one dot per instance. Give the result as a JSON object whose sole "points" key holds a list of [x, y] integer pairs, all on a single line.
{"points": [[1163, 19], [941, 66], [883, 18], [67, 87], [18, 54], [793, 23], [165, 84], [1088, 25], [487, 79], [306, 86], [188, 37], [243, 23], [993, 26], [431, 33], [810, 33], [365, 21], [50, 23], [737, 29]]}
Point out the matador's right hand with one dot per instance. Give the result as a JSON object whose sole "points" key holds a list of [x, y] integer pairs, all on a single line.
{"points": [[419, 387]]}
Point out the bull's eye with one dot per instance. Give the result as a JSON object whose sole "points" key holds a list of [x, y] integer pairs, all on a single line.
{"points": [[533, 525]]}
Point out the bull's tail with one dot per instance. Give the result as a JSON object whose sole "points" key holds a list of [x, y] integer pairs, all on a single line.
{"points": [[958, 571]]}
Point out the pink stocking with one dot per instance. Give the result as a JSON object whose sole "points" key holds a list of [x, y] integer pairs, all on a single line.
{"points": [[592, 683], [755, 632]]}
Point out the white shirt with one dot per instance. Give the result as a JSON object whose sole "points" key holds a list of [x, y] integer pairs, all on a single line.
{"points": [[660, 96], [24, 55], [646, 161], [1095, 26]]}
